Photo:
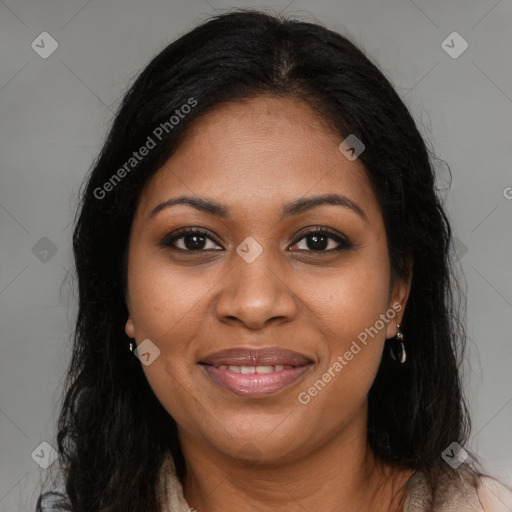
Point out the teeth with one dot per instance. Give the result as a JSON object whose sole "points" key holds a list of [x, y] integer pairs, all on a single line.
{"points": [[255, 369], [266, 369]]}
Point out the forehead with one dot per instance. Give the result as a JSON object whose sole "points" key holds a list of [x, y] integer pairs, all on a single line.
{"points": [[259, 152]]}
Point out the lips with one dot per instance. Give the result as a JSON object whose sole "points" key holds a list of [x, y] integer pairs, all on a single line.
{"points": [[270, 356], [255, 373]]}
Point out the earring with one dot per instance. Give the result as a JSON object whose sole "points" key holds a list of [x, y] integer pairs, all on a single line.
{"points": [[131, 346], [397, 348]]}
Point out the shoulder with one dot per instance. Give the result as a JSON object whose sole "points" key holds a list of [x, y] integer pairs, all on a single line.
{"points": [[494, 495], [453, 491], [463, 490], [53, 501]]}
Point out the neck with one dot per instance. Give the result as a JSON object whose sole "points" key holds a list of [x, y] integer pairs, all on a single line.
{"points": [[339, 476]]}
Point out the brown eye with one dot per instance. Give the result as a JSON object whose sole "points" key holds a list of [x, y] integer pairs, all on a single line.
{"points": [[191, 239], [323, 240]]}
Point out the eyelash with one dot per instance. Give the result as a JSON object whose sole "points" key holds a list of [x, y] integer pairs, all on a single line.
{"points": [[343, 242]]}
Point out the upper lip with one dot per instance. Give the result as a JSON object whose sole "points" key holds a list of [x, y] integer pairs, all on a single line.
{"points": [[246, 356]]}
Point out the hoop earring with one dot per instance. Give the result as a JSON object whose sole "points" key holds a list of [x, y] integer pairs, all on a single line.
{"points": [[397, 348]]}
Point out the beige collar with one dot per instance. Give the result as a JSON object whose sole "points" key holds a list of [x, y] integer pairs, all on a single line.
{"points": [[171, 490], [457, 492]]}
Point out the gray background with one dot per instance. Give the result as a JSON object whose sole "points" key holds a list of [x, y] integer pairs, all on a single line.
{"points": [[55, 112]]}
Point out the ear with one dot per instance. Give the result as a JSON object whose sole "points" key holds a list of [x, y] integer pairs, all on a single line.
{"points": [[399, 296], [129, 328]]}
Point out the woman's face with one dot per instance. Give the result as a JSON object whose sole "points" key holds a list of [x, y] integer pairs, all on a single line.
{"points": [[254, 281]]}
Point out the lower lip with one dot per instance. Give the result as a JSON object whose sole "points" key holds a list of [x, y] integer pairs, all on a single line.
{"points": [[255, 385]]}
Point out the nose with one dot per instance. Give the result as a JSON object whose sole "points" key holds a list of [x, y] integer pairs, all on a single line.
{"points": [[255, 293]]}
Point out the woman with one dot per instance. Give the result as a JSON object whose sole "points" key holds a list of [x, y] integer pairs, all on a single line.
{"points": [[266, 315]]}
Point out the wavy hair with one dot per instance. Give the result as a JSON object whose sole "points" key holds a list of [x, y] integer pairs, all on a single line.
{"points": [[113, 433]]}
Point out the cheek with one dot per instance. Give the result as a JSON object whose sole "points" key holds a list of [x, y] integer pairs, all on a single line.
{"points": [[350, 301], [165, 301]]}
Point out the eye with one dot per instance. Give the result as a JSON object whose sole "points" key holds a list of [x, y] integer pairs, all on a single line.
{"points": [[192, 240], [318, 241]]}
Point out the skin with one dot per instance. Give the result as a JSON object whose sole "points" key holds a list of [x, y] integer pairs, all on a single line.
{"points": [[270, 453]]}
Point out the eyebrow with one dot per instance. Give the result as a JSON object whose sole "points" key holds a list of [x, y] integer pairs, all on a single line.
{"points": [[294, 208]]}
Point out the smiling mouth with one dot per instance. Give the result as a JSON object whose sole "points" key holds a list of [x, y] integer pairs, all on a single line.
{"points": [[255, 373]]}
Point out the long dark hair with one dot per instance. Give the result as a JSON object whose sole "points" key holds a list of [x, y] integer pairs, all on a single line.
{"points": [[113, 433]]}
